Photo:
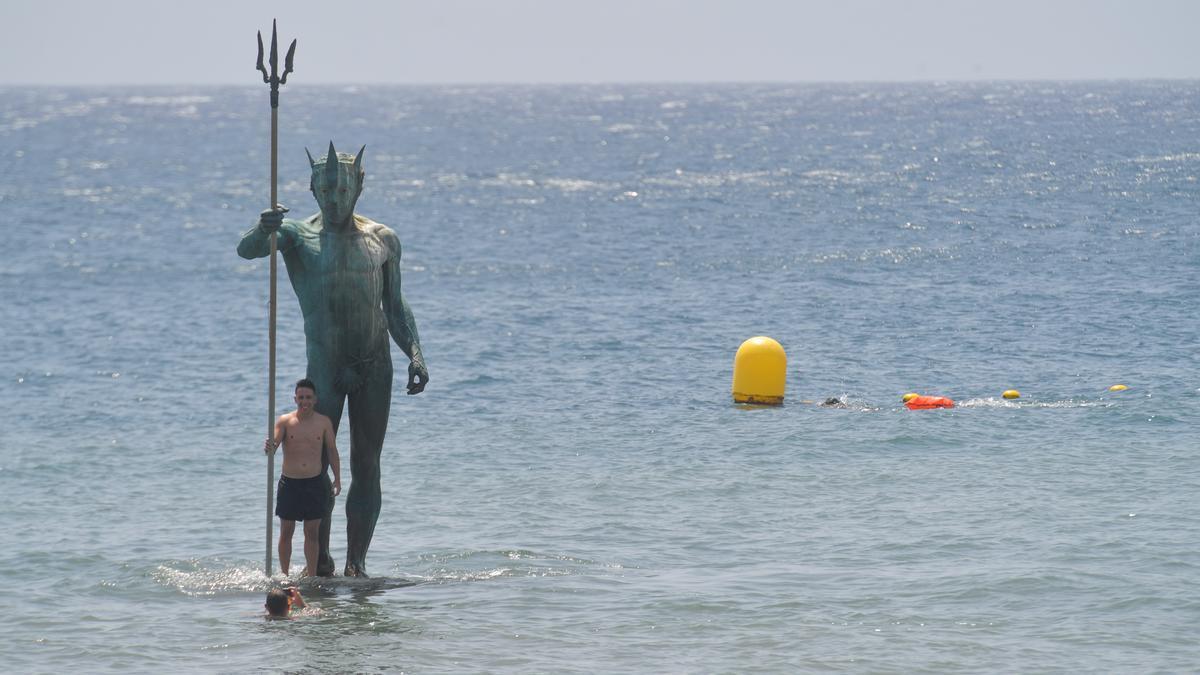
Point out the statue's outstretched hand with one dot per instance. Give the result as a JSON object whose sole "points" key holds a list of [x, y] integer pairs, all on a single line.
{"points": [[272, 219], [418, 376]]}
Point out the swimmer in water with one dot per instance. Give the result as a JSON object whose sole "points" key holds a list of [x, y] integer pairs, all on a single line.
{"points": [[282, 601]]}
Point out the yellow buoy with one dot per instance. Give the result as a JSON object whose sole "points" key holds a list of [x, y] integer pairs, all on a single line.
{"points": [[909, 396], [1011, 393], [759, 372], [1118, 387]]}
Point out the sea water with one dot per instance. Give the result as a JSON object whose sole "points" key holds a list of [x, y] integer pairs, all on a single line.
{"points": [[575, 491]]}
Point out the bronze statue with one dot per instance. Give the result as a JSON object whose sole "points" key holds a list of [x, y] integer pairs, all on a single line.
{"points": [[345, 270]]}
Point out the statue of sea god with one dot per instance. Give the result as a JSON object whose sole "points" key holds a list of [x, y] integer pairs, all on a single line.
{"points": [[345, 270]]}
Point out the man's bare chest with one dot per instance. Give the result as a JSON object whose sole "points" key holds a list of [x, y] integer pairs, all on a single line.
{"points": [[303, 434]]}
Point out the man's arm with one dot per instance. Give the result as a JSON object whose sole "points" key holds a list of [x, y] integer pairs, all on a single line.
{"points": [[256, 242], [335, 460], [273, 442], [401, 323]]}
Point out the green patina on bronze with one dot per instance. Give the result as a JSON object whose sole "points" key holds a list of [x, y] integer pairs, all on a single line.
{"points": [[345, 270]]}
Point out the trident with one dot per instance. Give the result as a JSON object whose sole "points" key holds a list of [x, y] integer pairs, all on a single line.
{"points": [[275, 80]]}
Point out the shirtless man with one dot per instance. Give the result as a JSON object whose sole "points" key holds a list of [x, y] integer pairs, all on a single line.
{"points": [[305, 435]]}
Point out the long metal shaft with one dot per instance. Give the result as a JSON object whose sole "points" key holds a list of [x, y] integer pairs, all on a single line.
{"points": [[274, 79], [271, 339]]}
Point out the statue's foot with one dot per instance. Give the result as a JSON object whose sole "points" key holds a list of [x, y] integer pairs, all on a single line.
{"points": [[325, 566], [355, 570]]}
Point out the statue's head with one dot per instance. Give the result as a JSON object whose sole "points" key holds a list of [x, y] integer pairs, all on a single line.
{"points": [[336, 183]]}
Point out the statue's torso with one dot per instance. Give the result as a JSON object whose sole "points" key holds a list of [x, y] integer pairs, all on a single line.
{"points": [[339, 279]]}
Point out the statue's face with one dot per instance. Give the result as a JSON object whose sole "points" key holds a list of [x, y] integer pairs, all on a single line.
{"points": [[336, 191]]}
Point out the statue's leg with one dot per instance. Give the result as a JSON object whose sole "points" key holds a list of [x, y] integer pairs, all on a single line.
{"points": [[329, 403], [369, 408]]}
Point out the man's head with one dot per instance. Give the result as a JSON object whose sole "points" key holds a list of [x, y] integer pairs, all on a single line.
{"points": [[306, 394], [336, 183], [278, 602]]}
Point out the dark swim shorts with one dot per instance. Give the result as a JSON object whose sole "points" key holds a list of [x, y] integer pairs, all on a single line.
{"points": [[301, 498]]}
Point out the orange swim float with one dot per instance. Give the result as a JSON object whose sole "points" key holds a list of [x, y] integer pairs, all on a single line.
{"points": [[927, 402]]}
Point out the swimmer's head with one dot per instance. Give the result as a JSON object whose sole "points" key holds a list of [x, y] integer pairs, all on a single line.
{"points": [[278, 602]]}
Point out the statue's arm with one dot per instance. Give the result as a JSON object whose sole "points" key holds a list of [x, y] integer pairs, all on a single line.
{"points": [[256, 242], [401, 323]]}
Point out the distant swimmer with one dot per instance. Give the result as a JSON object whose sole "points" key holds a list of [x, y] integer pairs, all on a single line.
{"points": [[833, 402], [918, 402], [281, 602], [306, 436]]}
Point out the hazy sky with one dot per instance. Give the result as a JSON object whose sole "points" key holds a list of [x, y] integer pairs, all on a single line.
{"points": [[476, 41]]}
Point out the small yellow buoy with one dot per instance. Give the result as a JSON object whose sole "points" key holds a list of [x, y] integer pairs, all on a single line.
{"points": [[1011, 393], [909, 396], [1118, 387], [759, 372]]}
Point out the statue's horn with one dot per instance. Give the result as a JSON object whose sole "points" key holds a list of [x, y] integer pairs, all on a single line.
{"points": [[331, 165], [358, 160], [311, 161]]}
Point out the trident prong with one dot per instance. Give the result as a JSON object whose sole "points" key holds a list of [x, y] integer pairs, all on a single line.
{"points": [[266, 78], [273, 78], [274, 50], [287, 63]]}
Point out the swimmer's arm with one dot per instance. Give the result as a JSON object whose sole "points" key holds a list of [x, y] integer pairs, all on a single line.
{"points": [[335, 460], [297, 599]]}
